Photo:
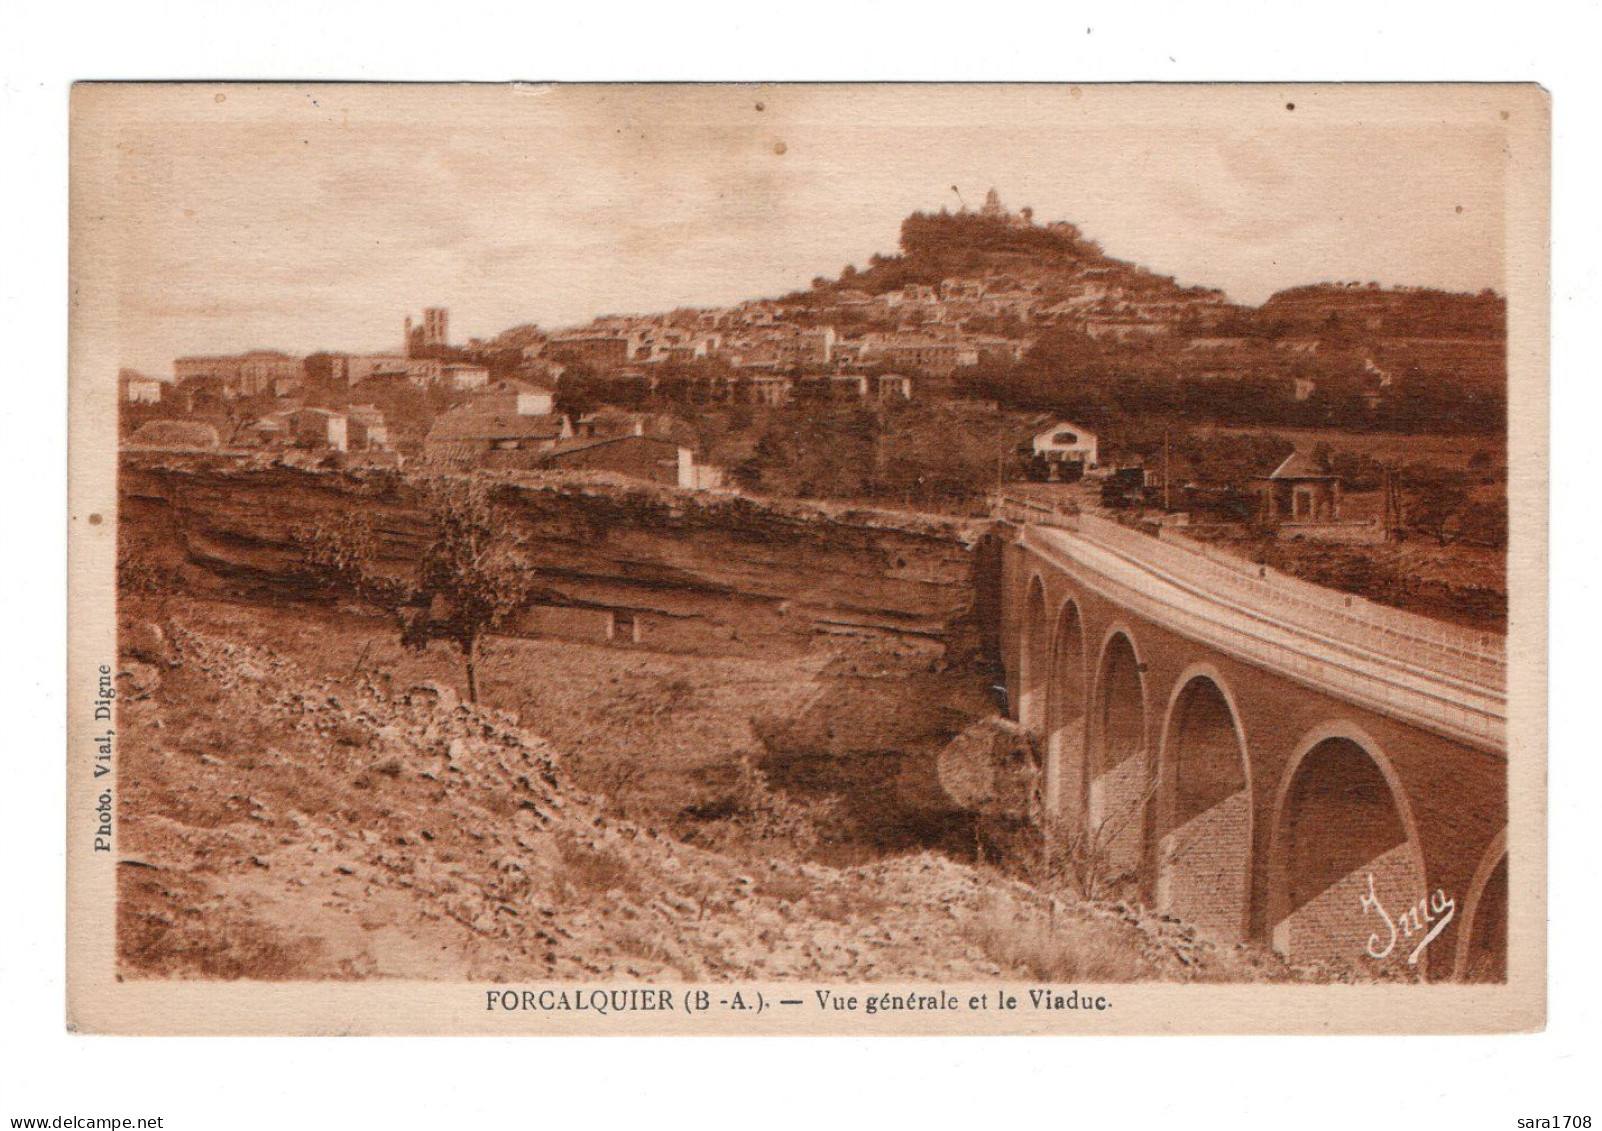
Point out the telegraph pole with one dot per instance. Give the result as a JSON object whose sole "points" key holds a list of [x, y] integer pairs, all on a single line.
{"points": [[1386, 517], [1393, 505], [1166, 499]]}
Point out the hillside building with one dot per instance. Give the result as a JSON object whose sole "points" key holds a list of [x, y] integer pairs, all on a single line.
{"points": [[473, 433], [597, 351], [1302, 489], [892, 387], [253, 374], [805, 347], [768, 389], [515, 398], [353, 369], [320, 428], [136, 388], [366, 430], [938, 357], [464, 377]]}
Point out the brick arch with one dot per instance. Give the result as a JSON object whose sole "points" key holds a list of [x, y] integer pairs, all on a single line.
{"points": [[1203, 830], [1118, 771], [1065, 717], [1482, 937], [1341, 816], [1036, 657]]}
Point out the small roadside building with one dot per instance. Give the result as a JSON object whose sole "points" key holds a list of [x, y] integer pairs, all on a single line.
{"points": [[270, 431], [770, 389], [1064, 446], [604, 423], [607, 423], [1302, 489], [832, 387]]}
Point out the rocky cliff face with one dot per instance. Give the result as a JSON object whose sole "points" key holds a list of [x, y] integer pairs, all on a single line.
{"points": [[714, 572]]}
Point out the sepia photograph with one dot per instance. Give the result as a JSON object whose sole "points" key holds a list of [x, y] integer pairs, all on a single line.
{"points": [[760, 558]]}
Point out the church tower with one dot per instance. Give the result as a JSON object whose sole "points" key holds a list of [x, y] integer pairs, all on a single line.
{"points": [[433, 333]]}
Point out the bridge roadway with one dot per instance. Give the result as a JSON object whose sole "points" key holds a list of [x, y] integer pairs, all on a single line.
{"points": [[1258, 754]]}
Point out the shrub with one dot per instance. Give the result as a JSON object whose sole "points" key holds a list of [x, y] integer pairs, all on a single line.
{"points": [[1052, 947], [594, 870]]}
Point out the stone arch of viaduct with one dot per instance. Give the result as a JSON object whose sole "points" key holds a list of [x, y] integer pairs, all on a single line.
{"points": [[1248, 803]]}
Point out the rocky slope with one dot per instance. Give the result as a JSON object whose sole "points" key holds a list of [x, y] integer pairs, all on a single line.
{"points": [[280, 825]]}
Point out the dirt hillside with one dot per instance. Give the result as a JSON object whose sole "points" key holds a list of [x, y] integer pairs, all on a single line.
{"points": [[280, 824]]}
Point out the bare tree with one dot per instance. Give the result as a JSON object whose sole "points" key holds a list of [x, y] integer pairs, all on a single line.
{"points": [[472, 575]]}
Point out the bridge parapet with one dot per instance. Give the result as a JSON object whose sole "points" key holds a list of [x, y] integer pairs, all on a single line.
{"points": [[1474, 658]]}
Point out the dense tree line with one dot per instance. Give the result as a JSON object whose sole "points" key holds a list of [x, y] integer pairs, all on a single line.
{"points": [[927, 455], [1103, 385]]}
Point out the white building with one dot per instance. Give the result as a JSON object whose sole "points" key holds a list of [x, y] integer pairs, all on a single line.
{"points": [[250, 374], [462, 376], [516, 398], [365, 429], [139, 389], [320, 428], [893, 386], [1065, 442], [353, 369]]}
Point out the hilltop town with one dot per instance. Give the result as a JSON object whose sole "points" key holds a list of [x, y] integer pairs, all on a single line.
{"points": [[991, 349]]}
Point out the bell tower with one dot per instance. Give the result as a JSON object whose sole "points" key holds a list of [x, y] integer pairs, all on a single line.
{"points": [[431, 334]]}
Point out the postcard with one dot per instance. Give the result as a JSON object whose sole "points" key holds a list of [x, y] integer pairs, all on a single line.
{"points": [[827, 559]]}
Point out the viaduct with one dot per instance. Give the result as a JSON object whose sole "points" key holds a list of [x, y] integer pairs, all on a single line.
{"points": [[1270, 760]]}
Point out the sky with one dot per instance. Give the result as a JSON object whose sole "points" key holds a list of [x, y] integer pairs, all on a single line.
{"points": [[307, 218]]}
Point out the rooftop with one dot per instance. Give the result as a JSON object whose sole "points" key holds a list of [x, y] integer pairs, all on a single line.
{"points": [[278, 355], [472, 422], [572, 446], [510, 386], [1300, 465]]}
